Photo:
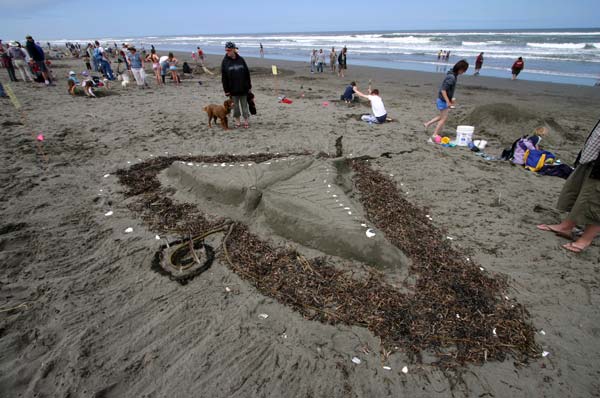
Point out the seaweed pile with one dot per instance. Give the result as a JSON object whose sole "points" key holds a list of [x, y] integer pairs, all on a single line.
{"points": [[457, 311]]}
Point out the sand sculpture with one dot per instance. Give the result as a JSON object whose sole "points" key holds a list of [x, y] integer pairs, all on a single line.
{"points": [[302, 199]]}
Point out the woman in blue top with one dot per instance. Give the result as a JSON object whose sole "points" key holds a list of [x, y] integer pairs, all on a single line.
{"points": [[446, 97], [137, 66]]}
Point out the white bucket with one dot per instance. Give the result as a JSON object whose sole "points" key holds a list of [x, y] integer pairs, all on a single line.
{"points": [[464, 135]]}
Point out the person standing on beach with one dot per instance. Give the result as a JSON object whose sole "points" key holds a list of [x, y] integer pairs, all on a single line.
{"points": [[517, 67], [262, 51], [137, 67], [7, 63], [36, 55], [342, 62], [200, 55], [21, 60], [102, 58], [478, 63], [580, 197], [235, 77], [332, 59], [173, 68], [313, 60], [320, 61], [154, 59], [446, 97]]}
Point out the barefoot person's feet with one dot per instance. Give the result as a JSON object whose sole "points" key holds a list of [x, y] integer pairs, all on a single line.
{"points": [[556, 230], [574, 247]]}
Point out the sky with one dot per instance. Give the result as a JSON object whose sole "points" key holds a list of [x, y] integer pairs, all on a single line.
{"points": [[70, 19]]}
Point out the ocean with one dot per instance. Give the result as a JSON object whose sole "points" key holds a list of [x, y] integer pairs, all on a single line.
{"points": [[569, 56]]}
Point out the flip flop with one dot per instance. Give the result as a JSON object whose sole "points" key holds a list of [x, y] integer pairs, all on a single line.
{"points": [[545, 227], [572, 247]]}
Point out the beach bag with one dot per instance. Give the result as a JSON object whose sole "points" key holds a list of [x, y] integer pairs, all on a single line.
{"points": [[535, 159]]}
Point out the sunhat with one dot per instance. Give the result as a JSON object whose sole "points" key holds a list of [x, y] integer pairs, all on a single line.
{"points": [[71, 73]]}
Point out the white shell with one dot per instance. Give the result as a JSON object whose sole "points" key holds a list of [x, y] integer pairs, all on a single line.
{"points": [[370, 233], [356, 360], [129, 230], [108, 213]]}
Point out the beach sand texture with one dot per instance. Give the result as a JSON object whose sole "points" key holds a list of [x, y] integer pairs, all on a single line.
{"points": [[97, 321]]}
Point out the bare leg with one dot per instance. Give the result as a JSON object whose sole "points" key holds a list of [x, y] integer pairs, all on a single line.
{"points": [[443, 117], [429, 123]]}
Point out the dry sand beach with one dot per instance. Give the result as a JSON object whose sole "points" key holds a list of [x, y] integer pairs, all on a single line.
{"points": [[85, 315]]}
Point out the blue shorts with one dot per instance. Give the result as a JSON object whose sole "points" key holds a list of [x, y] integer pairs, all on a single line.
{"points": [[441, 104]]}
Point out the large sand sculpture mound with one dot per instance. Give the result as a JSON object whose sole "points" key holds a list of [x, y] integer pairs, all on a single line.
{"points": [[303, 199]]}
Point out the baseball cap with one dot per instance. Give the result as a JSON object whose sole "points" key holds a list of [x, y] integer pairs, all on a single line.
{"points": [[230, 44]]}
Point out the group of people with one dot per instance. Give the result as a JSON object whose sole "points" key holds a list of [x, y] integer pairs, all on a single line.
{"points": [[516, 67], [443, 55], [30, 61], [318, 60]]}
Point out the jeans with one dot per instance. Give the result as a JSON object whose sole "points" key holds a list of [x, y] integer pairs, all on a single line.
{"points": [[373, 119], [320, 67], [107, 69], [240, 101], [2, 93]]}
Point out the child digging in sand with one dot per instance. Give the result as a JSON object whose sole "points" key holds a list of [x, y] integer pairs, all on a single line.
{"points": [[446, 98], [379, 113]]}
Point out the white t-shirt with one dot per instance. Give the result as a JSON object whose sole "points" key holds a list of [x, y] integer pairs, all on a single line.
{"points": [[377, 105]]}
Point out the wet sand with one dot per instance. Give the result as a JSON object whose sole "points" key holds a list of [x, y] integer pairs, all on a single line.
{"points": [[97, 321]]}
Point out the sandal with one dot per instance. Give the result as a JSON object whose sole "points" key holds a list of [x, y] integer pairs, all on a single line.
{"points": [[572, 247], [545, 227]]}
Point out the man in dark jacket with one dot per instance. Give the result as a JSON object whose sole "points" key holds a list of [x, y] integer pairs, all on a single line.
{"points": [[235, 76], [37, 55]]}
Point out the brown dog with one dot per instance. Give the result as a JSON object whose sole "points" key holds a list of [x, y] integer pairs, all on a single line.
{"points": [[219, 111]]}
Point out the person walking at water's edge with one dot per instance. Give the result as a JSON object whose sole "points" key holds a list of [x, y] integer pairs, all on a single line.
{"points": [[342, 59], [478, 63], [517, 67]]}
